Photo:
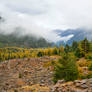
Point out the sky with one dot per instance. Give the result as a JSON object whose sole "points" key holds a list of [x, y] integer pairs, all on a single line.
{"points": [[42, 17]]}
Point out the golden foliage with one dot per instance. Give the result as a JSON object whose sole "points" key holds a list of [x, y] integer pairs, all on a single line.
{"points": [[16, 53]]}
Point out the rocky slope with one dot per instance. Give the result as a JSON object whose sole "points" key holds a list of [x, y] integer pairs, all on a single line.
{"points": [[30, 75], [18, 73]]}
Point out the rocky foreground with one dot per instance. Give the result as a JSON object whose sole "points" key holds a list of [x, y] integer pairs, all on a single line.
{"points": [[76, 86], [30, 75], [18, 73]]}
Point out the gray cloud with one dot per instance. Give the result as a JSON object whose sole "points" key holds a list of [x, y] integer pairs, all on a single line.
{"points": [[40, 17]]}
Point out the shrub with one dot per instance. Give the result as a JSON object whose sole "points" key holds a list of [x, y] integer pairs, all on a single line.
{"points": [[79, 53], [82, 76], [90, 67], [85, 76], [80, 70], [89, 57], [40, 54], [82, 63], [20, 75], [65, 69], [89, 76]]}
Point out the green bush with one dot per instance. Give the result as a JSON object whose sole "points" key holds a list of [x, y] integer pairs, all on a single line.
{"points": [[89, 76], [79, 53], [40, 54], [20, 75], [66, 69], [82, 76], [90, 67], [85, 76], [89, 57]]}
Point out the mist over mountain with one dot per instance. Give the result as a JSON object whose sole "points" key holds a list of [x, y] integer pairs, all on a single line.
{"points": [[41, 18], [27, 41], [18, 37], [78, 34]]}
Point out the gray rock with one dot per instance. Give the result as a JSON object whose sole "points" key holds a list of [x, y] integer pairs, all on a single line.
{"points": [[42, 84], [77, 81], [84, 86], [77, 84], [61, 81], [90, 81], [84, 81]]}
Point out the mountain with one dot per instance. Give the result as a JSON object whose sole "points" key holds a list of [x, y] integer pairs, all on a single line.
{"points": [[19, 39], [78, 34], [28, 41]]}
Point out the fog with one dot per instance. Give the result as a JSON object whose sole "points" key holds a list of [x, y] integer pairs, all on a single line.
{"points": [[42, 17]]}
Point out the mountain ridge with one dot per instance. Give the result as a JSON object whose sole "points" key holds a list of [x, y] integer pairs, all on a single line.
{"points": [[78, 34], [28, 41]]}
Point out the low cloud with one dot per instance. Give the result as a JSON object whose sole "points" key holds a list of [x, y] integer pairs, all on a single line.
{"points": [[41, 17]]}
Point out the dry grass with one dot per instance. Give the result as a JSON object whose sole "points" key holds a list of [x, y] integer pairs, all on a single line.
{"points": [[34, 88], [83, 62]]}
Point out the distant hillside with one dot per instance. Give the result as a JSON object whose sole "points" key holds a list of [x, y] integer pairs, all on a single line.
{"points": [[27, 41]]}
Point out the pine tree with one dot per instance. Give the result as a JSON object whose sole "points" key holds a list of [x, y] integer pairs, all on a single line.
{"points": [[74, 45], [55, 51], [79, 53], [40, 54], [65, 69], [85, 45], [67, 48]]}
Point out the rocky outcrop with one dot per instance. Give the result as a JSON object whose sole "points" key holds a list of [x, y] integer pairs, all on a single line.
{"points": [[76, 86]]}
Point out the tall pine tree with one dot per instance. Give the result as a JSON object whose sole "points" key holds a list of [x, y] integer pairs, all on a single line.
{"points": [[85, 45]]}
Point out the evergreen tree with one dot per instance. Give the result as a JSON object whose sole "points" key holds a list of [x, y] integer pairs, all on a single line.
{"points": [[55, 51], [40, 54], [74, 45], [79, 53], [85, 45], [67, 48], [65, 69]]}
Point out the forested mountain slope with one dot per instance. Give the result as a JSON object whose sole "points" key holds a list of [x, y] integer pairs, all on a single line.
{"points": [[22, 41]]}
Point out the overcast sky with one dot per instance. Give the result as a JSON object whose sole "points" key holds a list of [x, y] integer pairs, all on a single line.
{"points": [[41, 17]]}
